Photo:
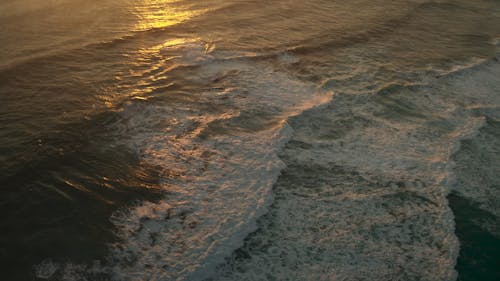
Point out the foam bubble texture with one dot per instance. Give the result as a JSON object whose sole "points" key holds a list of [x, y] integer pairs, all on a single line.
{"points": [[217, 148], [363, 196]]}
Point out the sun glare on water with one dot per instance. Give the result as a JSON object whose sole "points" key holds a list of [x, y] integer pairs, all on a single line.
{"points": [[154, 14]]}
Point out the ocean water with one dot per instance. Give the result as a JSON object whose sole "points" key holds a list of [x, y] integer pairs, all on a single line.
{"points": [[249, 140]]}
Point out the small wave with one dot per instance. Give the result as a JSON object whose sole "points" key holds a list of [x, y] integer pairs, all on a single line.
{"points": [[219, 162], [365, 173]]}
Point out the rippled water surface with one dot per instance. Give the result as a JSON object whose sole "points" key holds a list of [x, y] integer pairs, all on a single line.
{"points": [[249, 140]]}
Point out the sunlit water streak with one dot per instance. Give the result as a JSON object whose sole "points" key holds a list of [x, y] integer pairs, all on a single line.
{"points": [[143, 140]]}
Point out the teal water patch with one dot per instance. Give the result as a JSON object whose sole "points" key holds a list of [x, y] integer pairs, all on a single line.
{"points": [[479, 249], [474, 202]]}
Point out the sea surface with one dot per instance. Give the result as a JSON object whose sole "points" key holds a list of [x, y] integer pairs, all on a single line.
{"points": [[249, 140]]}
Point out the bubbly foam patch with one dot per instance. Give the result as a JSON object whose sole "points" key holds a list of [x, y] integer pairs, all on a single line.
{"points": [[220, 169], [363, 196], [476, 168], [217, 147]]}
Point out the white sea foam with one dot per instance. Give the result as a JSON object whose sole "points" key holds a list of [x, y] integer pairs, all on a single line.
{"points": [[365, 170], [364, 193], [219, 165]]}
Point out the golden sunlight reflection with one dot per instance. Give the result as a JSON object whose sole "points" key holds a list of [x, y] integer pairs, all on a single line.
{"points": [[151, 67], [148, 68], [148, 65], [163, 13]]}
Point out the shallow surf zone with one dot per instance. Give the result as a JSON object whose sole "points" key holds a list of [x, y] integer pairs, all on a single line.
{"points": [[216, 143], [204, 100], [364, 193]]}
